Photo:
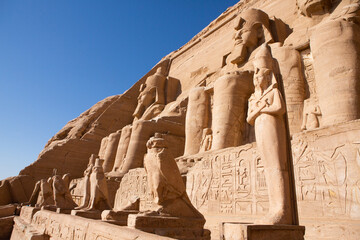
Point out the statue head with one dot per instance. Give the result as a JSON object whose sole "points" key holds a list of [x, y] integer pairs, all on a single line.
{"points": [[157, 141], [263, 67], [98, 168], [313, 7], [262, 78], [253, 28]]}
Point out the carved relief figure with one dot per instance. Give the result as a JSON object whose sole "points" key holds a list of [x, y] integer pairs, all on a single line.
{"points": [[310, 115], [206, 141], [266, 110], [165, 182]]}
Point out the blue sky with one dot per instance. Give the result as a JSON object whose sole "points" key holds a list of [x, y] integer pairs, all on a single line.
{"points": [[60, 57]]}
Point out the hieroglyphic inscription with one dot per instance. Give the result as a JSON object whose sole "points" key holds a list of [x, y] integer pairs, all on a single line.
{"points": [[134, 184], [326, 181], [229, 183]]}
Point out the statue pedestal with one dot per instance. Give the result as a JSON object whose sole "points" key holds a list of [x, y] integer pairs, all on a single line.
{"points": [[27, 212], [117, 217], [174, 227], [243, 231], [63, 210], [49, 208], [93, 214]]}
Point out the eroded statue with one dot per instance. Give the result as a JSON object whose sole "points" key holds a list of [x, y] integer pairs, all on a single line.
{"points": [[98, 188], [62, 196]]}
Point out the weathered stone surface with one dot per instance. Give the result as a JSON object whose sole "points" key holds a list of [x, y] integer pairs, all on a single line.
{"points": [[49, 225], [6, 227]]}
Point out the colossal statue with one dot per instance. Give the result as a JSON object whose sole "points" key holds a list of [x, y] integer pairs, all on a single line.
{"points": [[151, 100], [232, 89], [110, 150], [313, 7], [336, 49], [150, 116], [197, 118], [266, 113]]}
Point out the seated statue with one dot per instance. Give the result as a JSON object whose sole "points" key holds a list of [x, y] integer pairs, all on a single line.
{"points": [[151, 115]]}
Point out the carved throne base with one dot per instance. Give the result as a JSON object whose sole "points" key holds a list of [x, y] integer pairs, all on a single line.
{"points": [[174, 227], [243, 231], [117, 217]]}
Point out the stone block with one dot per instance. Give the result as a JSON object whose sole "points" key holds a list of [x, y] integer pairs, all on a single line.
{"points": [[174, 227], [25, 231], [239, 231], [27, 213]]}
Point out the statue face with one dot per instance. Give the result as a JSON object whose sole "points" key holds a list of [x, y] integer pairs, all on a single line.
{"points": [[262, 78], [248, 35], [312, 7]]}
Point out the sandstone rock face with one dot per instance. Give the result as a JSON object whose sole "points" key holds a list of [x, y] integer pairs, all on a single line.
{"points": [[301, 154]]}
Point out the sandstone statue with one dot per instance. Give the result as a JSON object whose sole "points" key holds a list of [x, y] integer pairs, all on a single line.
{"points": [[151, 100], [42, 194], [313, 7], [266, 112], [86, 182], [98, 188], [311, 115], [165, 182], [172, 214], [197, 118], [110, 151], [234, 87], [336, 66], [62, 196], [155, 118]]}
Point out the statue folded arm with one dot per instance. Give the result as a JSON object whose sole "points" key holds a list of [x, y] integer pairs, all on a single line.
{"points": [[277, 107]]}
